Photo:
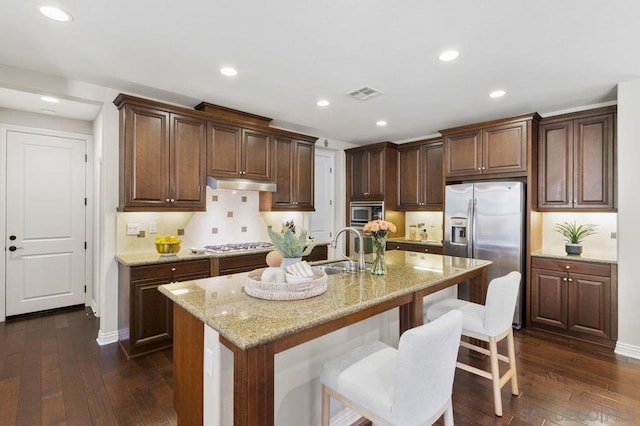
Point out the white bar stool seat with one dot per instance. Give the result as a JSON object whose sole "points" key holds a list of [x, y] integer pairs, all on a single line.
{"points": [[408, 386], [490, 323]]}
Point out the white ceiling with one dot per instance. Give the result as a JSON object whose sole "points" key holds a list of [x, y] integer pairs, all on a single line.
{"points": [[549, 55]]}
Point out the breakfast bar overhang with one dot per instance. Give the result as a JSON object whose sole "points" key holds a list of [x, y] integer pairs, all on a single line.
{"points": [[255, 330]]}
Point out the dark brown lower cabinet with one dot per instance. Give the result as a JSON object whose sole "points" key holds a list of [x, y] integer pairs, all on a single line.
{"points": [[577, 299], [145, 316], [418, 248], [248, 262]]}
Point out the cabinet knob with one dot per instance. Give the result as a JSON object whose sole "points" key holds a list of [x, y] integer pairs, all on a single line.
{"points": [[570, 280], [567, 267], [173, 201], [426, 250], [479, 168], [484, 168], [564, 279], [173, 269], [167, 200]]}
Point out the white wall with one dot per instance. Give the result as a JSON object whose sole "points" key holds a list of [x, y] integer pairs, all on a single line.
{"points": [[44, 121], [628, 214]]}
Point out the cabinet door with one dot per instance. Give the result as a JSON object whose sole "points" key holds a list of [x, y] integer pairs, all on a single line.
{"points": [[256, 155], [151, 316], [590, 304], [303, 175], [505, 149], [462, 154], [359, 168], [555, 165], [593, 159], [145, 157], [433, 177], [187, 162], [376, 175], [410, 160], [283, 168], [224, 150], [549, 298]]}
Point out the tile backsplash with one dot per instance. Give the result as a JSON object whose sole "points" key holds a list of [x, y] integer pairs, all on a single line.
{"points": [[601, 242], [231, 217], [432, 222]]}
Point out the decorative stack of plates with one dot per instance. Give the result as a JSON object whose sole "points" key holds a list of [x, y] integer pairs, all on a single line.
{"points": [[285, 291]]}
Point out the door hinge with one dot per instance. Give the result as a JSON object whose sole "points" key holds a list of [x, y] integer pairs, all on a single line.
{"points": [[85, 158], [85, 201], [330, 202], [330, 169], [85, 288], [85, 245], [330, 234]]}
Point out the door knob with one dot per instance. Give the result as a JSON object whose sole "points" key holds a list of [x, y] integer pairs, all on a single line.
{"points": [[14, 248]]}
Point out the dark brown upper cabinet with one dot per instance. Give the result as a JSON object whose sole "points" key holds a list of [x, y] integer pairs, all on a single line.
{"points": [[162, 157], [235, 152], [372, 173], [420, 175], [293, 172], [493, 149], [576, 161]]}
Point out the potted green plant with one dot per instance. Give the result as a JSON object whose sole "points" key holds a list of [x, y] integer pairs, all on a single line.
{"points": [[292, 245], [574, 235]]}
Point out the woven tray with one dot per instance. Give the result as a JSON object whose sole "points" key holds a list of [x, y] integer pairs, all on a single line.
{"points": [[285, 291]]}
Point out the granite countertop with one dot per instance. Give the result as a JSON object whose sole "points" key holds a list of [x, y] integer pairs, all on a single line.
{"points": [[586, 256], [221, 302], [153, 258], [417, 242]]}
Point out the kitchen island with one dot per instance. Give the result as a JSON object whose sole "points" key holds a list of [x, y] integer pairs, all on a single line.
{"points": [[256, 345]]}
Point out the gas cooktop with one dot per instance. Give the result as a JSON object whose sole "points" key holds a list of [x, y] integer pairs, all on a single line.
{"points": [[225, 248]]}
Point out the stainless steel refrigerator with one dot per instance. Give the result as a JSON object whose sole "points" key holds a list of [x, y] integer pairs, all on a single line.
{"points": [[486, 220]]}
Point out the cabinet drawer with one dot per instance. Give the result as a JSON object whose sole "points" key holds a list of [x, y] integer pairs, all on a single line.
{"points": [[598, 269], [172, 270], [418, 248], [244, 263]]}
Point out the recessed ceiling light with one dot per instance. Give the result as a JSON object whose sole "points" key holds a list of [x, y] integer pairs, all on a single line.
{"points": [[55, 13], [49, 99], [322, 103], [381, 123], [448, 55], [228, 71], [497, 94]]}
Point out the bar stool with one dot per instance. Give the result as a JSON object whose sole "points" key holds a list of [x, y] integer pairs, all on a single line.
{"points": [[408, 386], [489, 323]]}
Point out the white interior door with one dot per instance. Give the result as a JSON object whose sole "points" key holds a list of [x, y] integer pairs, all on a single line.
{"points": [[45, 221], [322, 217]]}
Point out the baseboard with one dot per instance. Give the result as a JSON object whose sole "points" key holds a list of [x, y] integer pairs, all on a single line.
{"points": [[107, 338], [627, 350]]}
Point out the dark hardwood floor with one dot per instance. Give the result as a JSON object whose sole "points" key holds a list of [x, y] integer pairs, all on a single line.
{"points": [[52, 371]]}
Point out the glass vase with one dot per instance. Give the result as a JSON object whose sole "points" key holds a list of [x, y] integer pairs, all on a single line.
{"points": [[378, 267]]}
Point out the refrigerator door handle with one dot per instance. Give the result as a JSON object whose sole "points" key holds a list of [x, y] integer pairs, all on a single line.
{"points": [[473, 227], [470, 230]]}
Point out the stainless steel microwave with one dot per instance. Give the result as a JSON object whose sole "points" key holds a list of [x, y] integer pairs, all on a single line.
{"points": [[365, 211]]}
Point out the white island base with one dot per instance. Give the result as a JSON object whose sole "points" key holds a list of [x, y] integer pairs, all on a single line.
{"points": [[297, 398]]}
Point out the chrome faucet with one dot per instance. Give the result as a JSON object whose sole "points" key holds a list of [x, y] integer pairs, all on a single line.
{"points": [[334, 244]]}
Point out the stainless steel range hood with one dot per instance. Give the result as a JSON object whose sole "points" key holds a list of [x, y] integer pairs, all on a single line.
{"points": [[240, 184]]}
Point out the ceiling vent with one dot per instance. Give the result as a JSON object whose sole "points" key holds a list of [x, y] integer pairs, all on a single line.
{"points": [[365, 93]]}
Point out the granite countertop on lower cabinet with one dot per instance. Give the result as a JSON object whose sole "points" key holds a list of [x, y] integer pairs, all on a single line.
{"points": [[153, 258], [586, 256], [416, 242]]}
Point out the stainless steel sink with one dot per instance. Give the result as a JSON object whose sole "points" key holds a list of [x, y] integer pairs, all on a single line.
{"points": [[338, 267]]}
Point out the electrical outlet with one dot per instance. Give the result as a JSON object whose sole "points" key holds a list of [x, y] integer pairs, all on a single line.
{"points": [[180, 231], [141, 234], [153, 228], [614, 235], [214, 230], [133, 228]]}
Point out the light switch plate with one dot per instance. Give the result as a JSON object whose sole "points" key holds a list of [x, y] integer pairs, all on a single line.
{"points": [[133, 228]]}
